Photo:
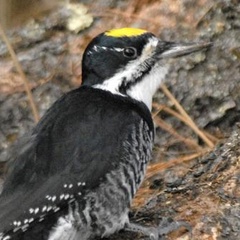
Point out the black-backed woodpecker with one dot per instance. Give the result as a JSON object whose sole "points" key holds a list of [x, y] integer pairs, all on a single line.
{"points": [[76, 173]]}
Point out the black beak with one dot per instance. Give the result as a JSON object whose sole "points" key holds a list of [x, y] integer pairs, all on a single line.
{"points": [[173, 50]]}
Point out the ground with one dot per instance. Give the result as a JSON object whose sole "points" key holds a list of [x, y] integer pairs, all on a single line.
{"points": [[202, 191]]}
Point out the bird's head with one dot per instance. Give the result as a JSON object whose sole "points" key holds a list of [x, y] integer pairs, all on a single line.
{"points": [[129, 62]]}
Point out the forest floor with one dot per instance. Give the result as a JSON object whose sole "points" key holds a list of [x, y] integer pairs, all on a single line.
{"points": [[189, 179]]}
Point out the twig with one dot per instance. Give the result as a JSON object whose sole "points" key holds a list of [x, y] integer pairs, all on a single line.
{"points": [[157, 167], [203, 16], [20, 71], [211, 137], [159, 108], [144, 195], [189, 120], [145, 192], [168, 110], [172, 131]]}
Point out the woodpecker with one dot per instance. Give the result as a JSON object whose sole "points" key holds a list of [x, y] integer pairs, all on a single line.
{"points": [[75, 175]]}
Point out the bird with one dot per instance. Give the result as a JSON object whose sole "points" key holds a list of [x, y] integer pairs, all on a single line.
{"points": [[74, 176]]}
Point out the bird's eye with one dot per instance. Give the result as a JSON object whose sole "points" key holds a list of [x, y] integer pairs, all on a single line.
{"points": [[130, 52]]}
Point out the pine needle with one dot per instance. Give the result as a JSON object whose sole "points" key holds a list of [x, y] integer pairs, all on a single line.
{"points": [[21, 73]]}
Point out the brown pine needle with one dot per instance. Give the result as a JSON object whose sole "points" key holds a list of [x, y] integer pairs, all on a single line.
{"points": [[167, 127], [169, 111], [203, 16], [144, 194], [188, 118], [155, 168], [159, 108], [211, 137], [172, 112], [21, 73]]}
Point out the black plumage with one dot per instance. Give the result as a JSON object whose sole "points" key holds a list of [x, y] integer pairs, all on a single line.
{"points": [[80, 139], [96, 68], [75, 175]]}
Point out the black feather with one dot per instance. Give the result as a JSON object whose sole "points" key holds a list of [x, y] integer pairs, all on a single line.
{"points": [[78, 140]]}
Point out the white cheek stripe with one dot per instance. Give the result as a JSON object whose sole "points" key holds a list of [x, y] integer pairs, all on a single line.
{"points": [[143, 90], [127, 74]]}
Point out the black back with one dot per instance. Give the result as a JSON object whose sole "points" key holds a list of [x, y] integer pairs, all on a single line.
{"points": [[78, 140]]}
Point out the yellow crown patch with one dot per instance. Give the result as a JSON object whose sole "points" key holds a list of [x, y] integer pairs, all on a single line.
{"points": [[125, 32]]}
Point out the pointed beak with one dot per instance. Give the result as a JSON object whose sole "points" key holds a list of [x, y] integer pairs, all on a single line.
{"points": [[173, 50]]}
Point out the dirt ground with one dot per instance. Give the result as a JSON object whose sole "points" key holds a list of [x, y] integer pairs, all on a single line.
{"points": [[202, 191]]}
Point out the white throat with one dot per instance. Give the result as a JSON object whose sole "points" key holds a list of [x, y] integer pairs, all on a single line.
{"points": [[144, 90]]}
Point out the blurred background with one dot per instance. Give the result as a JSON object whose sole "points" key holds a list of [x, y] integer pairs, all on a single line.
{"points": [[49, 38], [14, 13]]}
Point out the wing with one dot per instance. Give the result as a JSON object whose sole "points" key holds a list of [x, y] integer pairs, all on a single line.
{"points": [[70, 151]]}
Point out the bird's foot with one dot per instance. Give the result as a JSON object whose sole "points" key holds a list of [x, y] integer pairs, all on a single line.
{"points": [[165, 227]]}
